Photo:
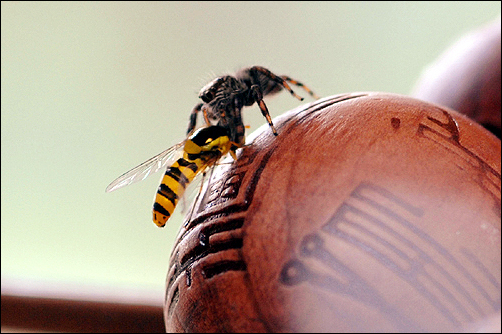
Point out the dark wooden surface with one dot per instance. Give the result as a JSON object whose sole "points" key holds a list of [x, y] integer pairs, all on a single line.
{"points": [[77, 316]]}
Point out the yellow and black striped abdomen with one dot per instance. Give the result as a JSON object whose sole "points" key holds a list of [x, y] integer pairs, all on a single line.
{"points": [[172, 188]]}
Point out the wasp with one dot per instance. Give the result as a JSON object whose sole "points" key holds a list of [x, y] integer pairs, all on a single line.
{"points": [[224, 97], [200, 150]]}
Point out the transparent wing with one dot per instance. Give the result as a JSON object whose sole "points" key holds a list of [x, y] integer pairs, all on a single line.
{"points": [[198, 188], [147, 168], [193, 192]]}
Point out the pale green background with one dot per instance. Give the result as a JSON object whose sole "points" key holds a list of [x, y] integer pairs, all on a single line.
{"points": [[90, 90]]}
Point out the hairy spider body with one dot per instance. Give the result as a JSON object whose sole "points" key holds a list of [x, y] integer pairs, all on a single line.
{"points": [[224, 97]]}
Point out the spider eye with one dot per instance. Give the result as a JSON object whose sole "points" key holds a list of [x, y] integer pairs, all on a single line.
{"points": [[207, 96]]}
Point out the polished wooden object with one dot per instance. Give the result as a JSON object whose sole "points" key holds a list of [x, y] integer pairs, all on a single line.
{"points": [[467, 77], [368, 212]]}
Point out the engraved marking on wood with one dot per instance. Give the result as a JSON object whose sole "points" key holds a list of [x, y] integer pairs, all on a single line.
{"points": [[377, 223], [447, 135]]}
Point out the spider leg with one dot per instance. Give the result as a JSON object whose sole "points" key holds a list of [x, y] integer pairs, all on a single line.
{"points": [[238, 127], [193, 118], [258, 97], [277, 79], [206, 116], [299, 84]]}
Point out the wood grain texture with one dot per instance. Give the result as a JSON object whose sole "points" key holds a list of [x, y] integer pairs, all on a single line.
{"points": [[368, 212]]}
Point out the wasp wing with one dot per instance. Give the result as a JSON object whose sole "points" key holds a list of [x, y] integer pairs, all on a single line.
{"points": [[147, 168], [199, 186]]}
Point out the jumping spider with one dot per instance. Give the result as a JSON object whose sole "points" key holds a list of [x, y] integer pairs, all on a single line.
{"points": [[224, 97]]}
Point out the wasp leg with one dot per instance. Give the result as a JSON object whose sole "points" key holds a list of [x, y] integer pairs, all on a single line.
{"points": [[299, 84], [236, 145], [232, 151], [258, 97], [277, 79], [193, 118]]}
